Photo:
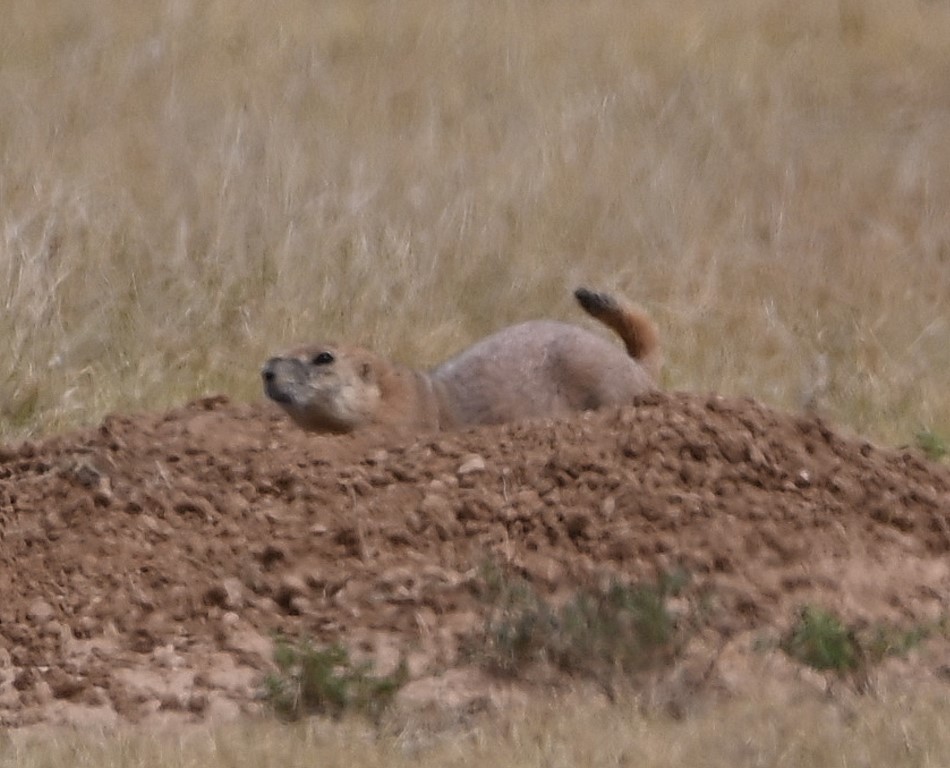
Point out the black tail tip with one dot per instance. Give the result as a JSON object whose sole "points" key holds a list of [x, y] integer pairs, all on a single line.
{"points": [[594, 301]]}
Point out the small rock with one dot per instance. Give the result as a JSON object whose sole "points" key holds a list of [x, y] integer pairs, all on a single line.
{"points": [[95, 696], [86, 474], [24, 679], [299, 605], [42, 692], [252, 646], [87, 626], [291, 587], [197, 703], [55, 628], [434, 504], [350, 537], [166, 657], [142, 640], [228, 594], [174, 701], [195, 505], [40, 612], [230, 619], [102, 496], [471, 464], [271, 554], [65, 686]]}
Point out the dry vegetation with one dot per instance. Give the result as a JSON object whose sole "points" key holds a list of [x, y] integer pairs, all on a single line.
{"points": [[187, 185], [806, 734]]}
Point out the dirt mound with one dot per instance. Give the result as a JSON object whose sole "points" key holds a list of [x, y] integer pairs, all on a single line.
{"points": [[145, 565]]}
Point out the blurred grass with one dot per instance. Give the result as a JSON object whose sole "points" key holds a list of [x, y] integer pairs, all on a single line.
{"points": [[804, 732], [189, 186]]}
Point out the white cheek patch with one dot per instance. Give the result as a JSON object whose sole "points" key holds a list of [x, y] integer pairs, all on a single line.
{"points": [[357, 403], [340, 402]]}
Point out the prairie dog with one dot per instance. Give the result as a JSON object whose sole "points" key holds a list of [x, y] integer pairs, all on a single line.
{"points": [[539, 368]]}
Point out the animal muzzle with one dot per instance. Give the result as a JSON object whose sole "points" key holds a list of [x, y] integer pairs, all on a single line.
{"points": [[274, 375]]}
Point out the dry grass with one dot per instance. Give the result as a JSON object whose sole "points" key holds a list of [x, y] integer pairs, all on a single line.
{"points": [[805, 734], [188, 185]]}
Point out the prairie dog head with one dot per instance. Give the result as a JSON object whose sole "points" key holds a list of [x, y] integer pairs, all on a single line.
{"points": [[324, 388]]}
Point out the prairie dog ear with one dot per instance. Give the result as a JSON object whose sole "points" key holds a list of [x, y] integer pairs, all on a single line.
{"points": [[366, 371]]}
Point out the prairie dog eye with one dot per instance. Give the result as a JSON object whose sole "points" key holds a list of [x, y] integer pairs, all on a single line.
{"points": [[324, 358]]}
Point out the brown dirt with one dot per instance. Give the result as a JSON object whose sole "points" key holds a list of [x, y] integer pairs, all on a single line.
{"points": [[144, 565]]}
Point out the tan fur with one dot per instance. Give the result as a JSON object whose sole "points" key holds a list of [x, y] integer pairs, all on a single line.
{"points": [[534, 369], [632, 324]]}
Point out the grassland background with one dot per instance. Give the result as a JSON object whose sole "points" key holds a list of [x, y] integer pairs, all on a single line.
{"points": [[187, 186]]}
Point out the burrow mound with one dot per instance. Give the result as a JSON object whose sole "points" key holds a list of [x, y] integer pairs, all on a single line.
{"points": [[145, 565]]}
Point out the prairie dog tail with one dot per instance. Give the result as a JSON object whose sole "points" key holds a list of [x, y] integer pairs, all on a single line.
{"points": [[633, 325]]}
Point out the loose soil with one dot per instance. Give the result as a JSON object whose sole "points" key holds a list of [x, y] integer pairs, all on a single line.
{"points": [[145, 566]]}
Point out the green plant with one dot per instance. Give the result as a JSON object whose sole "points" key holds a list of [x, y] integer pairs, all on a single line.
{"points": [[820, 640], [626, 627], [932, 444], [599, 632], [311, 680], [886, 640]]}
